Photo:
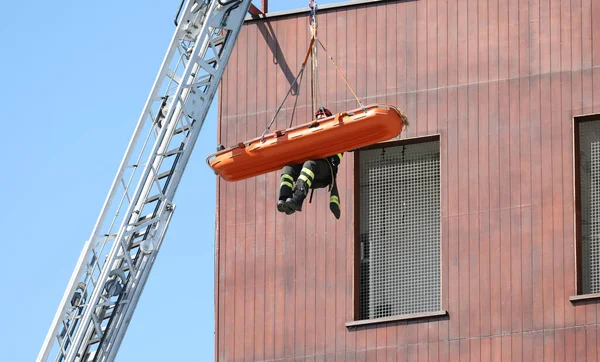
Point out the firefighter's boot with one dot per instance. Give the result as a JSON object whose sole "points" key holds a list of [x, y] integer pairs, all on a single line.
{"points": [[283, 207], [286, 190], [295, 202], [303, 183], [334, 206]]}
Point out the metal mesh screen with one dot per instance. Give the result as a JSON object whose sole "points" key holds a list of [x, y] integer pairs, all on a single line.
{"points": [[400, 230], [589, 180]]}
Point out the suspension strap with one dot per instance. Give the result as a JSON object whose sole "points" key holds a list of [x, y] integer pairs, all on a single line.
{"points": [[299, 76], [296, 100], [314, 80], [342, 75], [332, 176]]}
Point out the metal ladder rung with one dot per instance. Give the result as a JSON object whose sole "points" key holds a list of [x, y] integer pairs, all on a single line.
{"points": [[211, 60], [93, 341], [172, 152], [163, 175], [176, 78], [153, 198], [219, 40], [137, 234], [109, 314], [142, 219], [110, 237], [136, 244], [182, 129], [203, 81]]}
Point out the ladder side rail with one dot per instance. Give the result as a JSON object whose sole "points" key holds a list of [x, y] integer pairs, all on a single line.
{"points": [[236, 21], [137, 286], [157, 156], [119, 259], [118, 256], [109, 352], [204, 99], [89, 325], [63, 314]]}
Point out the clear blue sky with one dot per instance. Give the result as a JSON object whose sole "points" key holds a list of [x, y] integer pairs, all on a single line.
{"points": [[75, 76]]}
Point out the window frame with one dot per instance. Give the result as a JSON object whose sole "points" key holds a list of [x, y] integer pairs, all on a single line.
{"points": [[577, 245], [441, 313]]}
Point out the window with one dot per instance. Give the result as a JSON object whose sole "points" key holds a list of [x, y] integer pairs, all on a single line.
{"points": [[587, 171], [399, 216]]}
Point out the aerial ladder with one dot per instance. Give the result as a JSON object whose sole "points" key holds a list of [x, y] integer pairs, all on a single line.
{"points": [[115, 262]]}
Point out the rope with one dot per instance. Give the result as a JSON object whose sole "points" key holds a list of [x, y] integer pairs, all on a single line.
{"points": [[314, 79], [342, 75], [317, 98], [296, 100], [332, 176], [314, 89], [312, 95], [262, 138]]}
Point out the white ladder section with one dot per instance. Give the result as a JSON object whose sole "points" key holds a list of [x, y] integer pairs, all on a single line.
{"points": [[114, 265]]}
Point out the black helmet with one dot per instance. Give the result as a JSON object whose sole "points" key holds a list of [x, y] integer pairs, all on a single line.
{"points": [[323, 111]]}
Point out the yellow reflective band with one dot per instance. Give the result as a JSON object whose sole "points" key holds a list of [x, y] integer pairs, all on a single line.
{"points": [[340, 156], [285, 183], [283, 177], [308, 181], [308, 172], [335, 200]]}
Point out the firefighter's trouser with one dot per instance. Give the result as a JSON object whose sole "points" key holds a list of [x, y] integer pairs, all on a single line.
{"points": [[313, 174]]}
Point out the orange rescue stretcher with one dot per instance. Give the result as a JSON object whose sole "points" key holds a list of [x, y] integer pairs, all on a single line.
{"points": [[317, 139]]}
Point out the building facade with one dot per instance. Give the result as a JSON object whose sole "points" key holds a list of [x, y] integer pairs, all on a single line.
{"points": [[470, 237]]}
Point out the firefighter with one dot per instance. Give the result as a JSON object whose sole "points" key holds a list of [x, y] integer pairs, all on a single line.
{"points": [[297, 179]]}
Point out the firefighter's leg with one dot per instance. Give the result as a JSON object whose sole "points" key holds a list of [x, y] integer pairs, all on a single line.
{"points": [[310, 170], [303, 183], [334, 202], [288, 176]]}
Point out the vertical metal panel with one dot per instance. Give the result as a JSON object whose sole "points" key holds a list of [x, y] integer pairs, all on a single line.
{"points": [[271, 292], [499, 80], [251, 222], [482, 233], [289, 41], [302, 259], [262, 270], [280, 86]]}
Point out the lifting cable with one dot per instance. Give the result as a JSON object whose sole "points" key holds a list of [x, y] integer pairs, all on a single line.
{"points": [[342, 75], [296, 100], [298, 77], [311, 52], [314, 80]]}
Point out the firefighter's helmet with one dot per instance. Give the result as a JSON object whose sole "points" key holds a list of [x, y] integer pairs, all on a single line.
{"points": [[323, 112]]}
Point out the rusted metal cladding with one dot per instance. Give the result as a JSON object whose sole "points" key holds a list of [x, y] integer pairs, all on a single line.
{"points": [[499, 81]]}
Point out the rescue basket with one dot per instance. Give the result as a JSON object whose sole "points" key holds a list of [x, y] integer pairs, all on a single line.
{"points": [[341, 132]]}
